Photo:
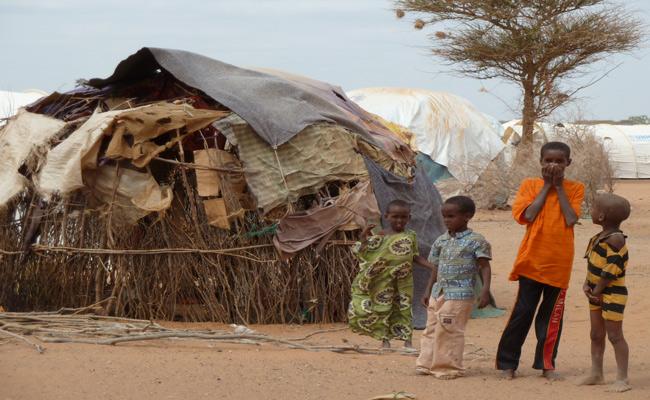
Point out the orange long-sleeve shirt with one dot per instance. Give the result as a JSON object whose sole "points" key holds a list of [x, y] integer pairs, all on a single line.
{"points": [[546, 252]]}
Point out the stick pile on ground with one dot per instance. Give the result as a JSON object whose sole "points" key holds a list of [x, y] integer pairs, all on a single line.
{"points": [[57, 327]]}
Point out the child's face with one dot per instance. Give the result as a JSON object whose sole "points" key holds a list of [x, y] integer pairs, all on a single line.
{"points": [[398, 217], [455, 220], [557, 158]]}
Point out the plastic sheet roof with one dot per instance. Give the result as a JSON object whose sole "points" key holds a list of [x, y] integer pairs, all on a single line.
{"points": [[251, 94], [448, 128]]}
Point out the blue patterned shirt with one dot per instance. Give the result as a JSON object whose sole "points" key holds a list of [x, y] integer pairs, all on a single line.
{"points": [[457, 263]]}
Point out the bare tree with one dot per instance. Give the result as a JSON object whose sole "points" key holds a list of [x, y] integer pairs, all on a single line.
{"points": [[539, 45]]}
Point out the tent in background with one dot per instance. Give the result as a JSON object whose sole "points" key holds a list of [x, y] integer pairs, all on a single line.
{"points": [[629, 149], [454, 138], [10, 102]]}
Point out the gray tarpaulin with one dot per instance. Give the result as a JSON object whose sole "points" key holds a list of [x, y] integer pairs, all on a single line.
{"points": [[276, 108], [426, 221]]}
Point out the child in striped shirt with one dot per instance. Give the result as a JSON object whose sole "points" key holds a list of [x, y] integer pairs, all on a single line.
{"points": [[605, 288]]}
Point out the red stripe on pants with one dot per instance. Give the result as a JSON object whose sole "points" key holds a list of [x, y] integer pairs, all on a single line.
{"points": [[553, 329]]}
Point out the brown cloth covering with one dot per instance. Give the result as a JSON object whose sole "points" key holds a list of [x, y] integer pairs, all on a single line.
{"points": [[299, 230]]}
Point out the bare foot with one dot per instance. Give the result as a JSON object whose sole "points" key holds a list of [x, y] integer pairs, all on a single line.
{"points": [[551, 375], [620, 386], [507, 374], [408, 344], [385, 344], [421, 372], [591, 380]]}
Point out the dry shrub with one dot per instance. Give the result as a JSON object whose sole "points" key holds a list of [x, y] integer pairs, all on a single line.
{"points": [[591, 162], [498, 184]]}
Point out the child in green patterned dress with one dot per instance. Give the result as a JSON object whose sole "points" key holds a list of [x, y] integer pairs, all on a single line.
{"points": [[382, 292]]}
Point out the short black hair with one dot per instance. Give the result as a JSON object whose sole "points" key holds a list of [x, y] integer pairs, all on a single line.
{"points": [[398, 203], [556, 146], [616, 208], [464, 203]]}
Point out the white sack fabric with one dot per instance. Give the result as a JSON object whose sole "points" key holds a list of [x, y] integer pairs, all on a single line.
{"points": [[62, 172], [17, 141]]}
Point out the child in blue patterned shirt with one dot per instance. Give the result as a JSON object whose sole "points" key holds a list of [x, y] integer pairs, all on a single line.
{"points": [[458, 255]]}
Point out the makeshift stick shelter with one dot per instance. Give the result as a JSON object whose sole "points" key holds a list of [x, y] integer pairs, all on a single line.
{"points": [[159, 191]]}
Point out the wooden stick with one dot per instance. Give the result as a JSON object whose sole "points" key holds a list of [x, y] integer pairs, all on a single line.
{"points": [[39, 348], [197, 166], [323, 331], [190, 194], [11, 252], [240, 339], [98, 304], [38, 247], [177, 334]]}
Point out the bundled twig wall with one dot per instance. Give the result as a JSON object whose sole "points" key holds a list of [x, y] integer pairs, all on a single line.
{"points": [[168, 266]]}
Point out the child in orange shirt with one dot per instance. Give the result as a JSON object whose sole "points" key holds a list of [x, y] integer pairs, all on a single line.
{"points": [[549, 207]]}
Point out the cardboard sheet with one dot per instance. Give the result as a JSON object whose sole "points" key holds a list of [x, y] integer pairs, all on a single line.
{"points": [[209, 181], [218, 214]]}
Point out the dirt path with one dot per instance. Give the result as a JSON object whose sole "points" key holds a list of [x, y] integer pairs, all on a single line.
{"points": [[204, 370]]}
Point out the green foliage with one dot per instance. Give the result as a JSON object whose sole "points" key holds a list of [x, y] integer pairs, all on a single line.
{"points": [[540, 46], [639, 119]]}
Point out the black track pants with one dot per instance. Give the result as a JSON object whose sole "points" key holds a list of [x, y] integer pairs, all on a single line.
{"points": [[548, 325]]}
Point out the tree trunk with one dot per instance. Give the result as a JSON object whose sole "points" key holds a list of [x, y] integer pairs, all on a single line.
{"points": [[525, 147], [528, 121]]}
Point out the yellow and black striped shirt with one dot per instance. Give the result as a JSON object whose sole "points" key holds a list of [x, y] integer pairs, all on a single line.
{"points": [[606, 261]]}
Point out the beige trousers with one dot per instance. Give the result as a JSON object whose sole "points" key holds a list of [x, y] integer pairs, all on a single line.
{"points": [[443, 341]]}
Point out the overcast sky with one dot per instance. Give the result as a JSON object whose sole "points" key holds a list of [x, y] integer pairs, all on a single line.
{"points": [[48, 44]]}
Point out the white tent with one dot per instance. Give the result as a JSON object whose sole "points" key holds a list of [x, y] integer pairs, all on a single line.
{"points": [[10, 102], [448, 128], [629, 149], [628, 145]]}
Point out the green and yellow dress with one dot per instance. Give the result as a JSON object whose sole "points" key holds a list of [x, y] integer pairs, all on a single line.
{"points": [[382, 292]]}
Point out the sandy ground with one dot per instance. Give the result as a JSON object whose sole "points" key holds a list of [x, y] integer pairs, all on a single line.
{"points": [[203, 370]]}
